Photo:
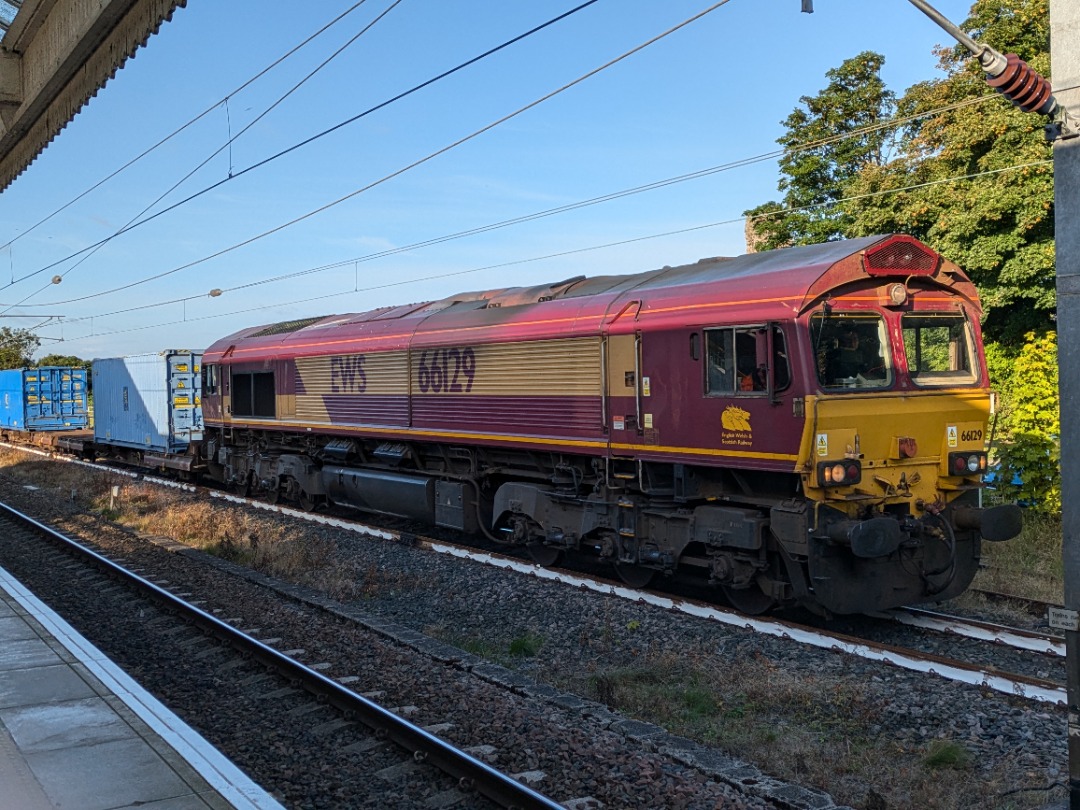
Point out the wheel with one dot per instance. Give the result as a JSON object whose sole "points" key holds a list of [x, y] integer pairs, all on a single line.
{"points": [[636, 576], [544, 555], [243, 488], [752, 600], [273, 495]]}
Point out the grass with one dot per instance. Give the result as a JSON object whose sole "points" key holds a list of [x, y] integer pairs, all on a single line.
{"points": [[1028, 566], [947, 754], [261, 542], [813, 730], [526, 646]]}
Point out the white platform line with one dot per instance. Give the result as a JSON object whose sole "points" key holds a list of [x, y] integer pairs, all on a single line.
{"points": [[221, 774]]}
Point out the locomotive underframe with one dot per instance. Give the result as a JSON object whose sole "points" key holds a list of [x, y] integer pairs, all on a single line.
{"points": [[751, 533]]}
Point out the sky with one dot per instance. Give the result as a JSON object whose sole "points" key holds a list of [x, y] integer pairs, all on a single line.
{"points": [[345, 217]]}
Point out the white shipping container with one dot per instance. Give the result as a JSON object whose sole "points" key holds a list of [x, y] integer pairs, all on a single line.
{"points": [[149, 401]]}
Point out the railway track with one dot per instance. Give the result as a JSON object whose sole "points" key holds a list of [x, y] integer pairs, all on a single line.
{"points": [[1016, 637], [534, 749], [1013, 661], [1036, 608], [907, 702], [438, 774]]}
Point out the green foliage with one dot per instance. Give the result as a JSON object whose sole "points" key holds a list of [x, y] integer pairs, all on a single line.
{"points": [[63, 360], [997, 226], [947, 754], [526, 646], [17, 346], [997, 223], [1029, 423], [817, 165]]}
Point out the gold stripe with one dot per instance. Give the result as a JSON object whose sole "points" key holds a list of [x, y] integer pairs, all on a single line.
{"points": [[704, 451], [378, 373], [525, 440], [530, 368], [569, 366], [278, 425]]}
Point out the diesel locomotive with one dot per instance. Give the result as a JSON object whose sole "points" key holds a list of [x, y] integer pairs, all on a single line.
{"points": [[807, 425]]}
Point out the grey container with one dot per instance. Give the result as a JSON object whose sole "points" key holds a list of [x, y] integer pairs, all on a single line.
{"points": [[149, 402]]}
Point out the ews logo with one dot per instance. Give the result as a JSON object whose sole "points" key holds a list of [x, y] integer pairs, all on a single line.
{"points": [[347, 375]]}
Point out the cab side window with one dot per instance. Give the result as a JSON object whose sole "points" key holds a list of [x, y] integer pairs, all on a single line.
{"points": [[738, 362], [720, 361]]}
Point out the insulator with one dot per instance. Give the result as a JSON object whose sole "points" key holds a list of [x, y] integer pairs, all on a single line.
{"points": [[1023, 86]]}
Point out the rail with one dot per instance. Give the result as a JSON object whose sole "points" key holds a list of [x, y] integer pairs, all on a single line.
{"points": [[471, 772]]}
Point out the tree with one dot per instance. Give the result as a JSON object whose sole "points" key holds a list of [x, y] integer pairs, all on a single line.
{"points": [[817, 166], [63, 360], [998, 222], [1029, 423], [17, 346]]}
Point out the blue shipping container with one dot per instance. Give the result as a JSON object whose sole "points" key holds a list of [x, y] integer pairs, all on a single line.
{"points": [[47, 398], [149, 401]]}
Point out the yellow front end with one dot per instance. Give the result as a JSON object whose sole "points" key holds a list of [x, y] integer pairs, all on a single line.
{"points": [[890, 521], [902, 444]]}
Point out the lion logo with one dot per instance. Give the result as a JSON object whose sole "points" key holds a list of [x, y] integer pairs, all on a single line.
{"points": [[735, 419]]}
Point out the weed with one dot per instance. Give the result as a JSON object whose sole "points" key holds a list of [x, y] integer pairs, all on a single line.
{"points": [[526, 646], [947, 754], [478, 646]]}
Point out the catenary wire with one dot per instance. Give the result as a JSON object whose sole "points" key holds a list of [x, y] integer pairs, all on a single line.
{"points": [[894, 122], [657, 184], [183, 127], [560, 254], [890, 123], [294, 147], [88, 253], [408, 167]]}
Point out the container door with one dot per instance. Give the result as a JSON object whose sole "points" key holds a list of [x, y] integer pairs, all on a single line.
{"points": [[72, 385], [55, 397], [185, 406], [34, 396], [43, 397]]}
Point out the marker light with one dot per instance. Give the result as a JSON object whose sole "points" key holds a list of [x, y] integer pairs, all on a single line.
{"points": [[839, 473], [967, 463]]}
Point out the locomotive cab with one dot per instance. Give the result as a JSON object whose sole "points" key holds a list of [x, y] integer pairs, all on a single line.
{"points": [[896, 437]]}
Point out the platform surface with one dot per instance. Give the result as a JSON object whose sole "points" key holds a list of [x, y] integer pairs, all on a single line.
{"points": [[77, 733]]}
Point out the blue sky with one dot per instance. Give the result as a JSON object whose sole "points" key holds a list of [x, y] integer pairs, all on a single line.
{"points": [[711, 93]]}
